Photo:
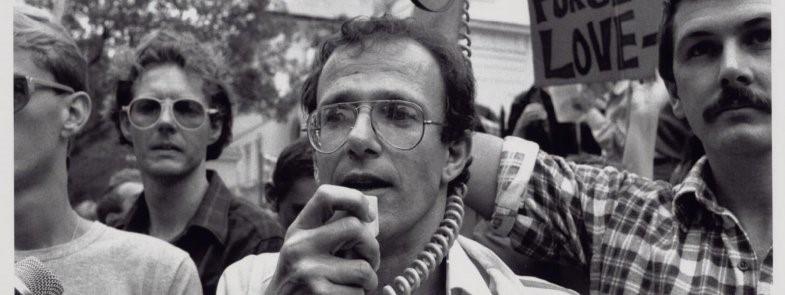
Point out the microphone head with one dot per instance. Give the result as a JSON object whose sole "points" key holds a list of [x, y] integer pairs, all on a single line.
{"points": [[38, 279]]}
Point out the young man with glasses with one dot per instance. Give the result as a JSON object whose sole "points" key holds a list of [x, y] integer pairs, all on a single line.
{"points": [[174, 110], [50, 107], [711, 233], [391, 108]]}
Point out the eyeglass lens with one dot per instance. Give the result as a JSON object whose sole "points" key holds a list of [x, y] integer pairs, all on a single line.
{"points": [[189, 113], [398, 123]]}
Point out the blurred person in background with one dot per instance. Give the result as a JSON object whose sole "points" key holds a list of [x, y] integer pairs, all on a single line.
{"points": [[293, 181], [87, 209], [123, 190], [533, 117], [489, 122]]}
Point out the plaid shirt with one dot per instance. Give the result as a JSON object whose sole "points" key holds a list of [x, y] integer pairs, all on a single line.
{"points": [[223, 230], [632, 235]]}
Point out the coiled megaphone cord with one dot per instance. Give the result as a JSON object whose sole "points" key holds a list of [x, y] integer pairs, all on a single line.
{"points": [[435, 251]]}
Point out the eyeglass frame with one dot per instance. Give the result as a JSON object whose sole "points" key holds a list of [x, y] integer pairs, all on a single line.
{"points": [[364, 104], [168, 104], [32, 82]]}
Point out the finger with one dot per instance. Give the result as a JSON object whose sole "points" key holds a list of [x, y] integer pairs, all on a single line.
{"points": [[324, 273], [352, 272], [347, 234], [330, 198], [320, 286], [365, 246]]}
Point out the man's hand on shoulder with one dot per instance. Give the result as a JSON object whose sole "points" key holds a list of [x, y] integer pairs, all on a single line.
{"points": [[325, 253]]}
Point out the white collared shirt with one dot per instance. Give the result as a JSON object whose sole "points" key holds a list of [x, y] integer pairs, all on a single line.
{"points": [[466, 262]]}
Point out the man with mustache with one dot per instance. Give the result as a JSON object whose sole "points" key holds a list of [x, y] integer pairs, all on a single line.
{"points": [[391, 107], [709, 234], [173, 108]]}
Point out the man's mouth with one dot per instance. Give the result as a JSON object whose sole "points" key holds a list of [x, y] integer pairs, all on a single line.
{"points": [[165, 147], [364, 182], [736, 104]]}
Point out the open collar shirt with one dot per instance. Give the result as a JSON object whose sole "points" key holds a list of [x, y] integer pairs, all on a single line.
{"points": [[223, 230], [471, 269]]}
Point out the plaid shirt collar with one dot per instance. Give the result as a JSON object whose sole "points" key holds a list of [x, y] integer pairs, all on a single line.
{"points": [[212, 214], [693, 195]]}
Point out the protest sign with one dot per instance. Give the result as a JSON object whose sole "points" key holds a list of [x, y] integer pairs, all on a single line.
{"points": [[593, 40]]}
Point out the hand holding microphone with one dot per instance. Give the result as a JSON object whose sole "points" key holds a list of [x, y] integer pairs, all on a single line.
{"points": [[330, 248]]}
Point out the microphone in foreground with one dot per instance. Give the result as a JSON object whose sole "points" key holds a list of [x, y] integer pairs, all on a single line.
{"points": [[33, 278]]}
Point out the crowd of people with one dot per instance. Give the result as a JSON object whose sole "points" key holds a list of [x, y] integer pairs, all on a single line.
{"points": [[399, 184]]}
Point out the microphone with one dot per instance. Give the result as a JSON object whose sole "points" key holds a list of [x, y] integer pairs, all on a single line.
{"points": [[33, 278]]}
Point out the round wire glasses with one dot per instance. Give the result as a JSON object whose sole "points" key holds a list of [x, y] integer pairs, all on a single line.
{"points": [[145, 112], [398, 123]]}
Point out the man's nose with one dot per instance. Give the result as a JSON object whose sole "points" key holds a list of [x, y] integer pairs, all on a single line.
{"points": [[167, 116], [362, 140], [734, 69]]}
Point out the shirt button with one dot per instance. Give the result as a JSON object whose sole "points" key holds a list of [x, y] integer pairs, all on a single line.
{"points": [[744, 266]]}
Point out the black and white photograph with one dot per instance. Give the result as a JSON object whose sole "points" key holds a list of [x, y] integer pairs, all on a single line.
{"points": [[459, 147]]}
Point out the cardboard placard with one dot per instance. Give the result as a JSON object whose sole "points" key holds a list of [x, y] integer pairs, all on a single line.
{"points": [[593, 40]]}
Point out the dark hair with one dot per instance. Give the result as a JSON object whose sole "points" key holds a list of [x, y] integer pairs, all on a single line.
{"points": [[553, 137], [455, 69], [516, 109], [185, 51], [691, 152], [295, 162], [110, 203], [666, 46]]}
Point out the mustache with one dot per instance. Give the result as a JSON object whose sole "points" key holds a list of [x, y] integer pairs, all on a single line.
{"points": [[736, 97]]}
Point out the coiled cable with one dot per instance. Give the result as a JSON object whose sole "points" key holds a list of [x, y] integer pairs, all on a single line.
{"points": [[435, 251], [464, 32]]}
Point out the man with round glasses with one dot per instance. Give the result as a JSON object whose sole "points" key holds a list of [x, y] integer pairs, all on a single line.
{"points": [[391, 108], [51, 106], [172, 107]]}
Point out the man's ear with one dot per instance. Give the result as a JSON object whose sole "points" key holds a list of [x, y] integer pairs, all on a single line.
{"points": [[124, 125], [78, 107], [458, 154], [675, 101], [677, 108], [315, 170], [216, 127]]}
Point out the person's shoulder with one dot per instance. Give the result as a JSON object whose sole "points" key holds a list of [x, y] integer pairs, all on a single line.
{"points": [[139, 247], [253, 220], [160, 266], [254, 264], [249, 275], [504, 277], [539, 286], [634, 191]]}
